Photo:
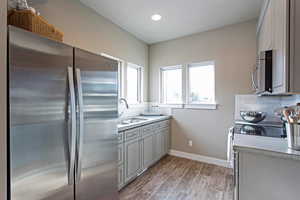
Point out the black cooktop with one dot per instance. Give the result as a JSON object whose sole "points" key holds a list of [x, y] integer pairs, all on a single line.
{"points": [[260, 130]]}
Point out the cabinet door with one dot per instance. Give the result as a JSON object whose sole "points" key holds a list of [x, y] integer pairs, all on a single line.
{"points": [[159, 144], [120, 153], [121, 176], [148, 151], [167, 140], [280, 32], [132, 159], [265, 34]]}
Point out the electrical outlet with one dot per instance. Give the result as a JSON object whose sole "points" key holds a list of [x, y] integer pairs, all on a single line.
{"points": [[190, 143]]}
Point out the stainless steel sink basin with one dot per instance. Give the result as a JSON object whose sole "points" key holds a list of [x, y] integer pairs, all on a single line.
{"points": [[132, 120]]}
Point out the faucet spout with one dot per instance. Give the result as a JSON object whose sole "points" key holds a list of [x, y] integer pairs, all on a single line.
{"points": [[125, 101]]}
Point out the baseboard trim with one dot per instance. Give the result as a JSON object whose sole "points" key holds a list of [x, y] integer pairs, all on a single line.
{"points": [[196, 157]]}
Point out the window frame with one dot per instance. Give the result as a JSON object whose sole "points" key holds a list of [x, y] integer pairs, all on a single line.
{"points": [[186, 104], [120, 73], [122, 78], [161, 90], [188, 82], [140, 77]]}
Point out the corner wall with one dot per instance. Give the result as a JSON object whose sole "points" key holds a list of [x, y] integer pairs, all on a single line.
{"points": [[233, 48], [3, 106], [84, 28]]}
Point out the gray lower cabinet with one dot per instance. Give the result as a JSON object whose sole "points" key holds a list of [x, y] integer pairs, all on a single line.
{"points": [[121, 161], [132, 159], [159, 144], [148, 150], [139, 148], [121, 176], [166, 136]]}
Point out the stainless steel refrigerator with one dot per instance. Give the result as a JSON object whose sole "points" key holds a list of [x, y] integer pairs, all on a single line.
{"points": [[62, 121]]}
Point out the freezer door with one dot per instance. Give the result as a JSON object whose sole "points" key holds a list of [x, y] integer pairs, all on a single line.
{"points": [[40, 118], [97, 92]]}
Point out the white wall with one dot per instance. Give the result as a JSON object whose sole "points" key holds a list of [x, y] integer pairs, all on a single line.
{"points": [[85, 29], [233, 48], [3, 106]]}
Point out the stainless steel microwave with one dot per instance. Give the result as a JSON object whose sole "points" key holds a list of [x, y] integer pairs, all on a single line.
{"points": [[262, 74]]}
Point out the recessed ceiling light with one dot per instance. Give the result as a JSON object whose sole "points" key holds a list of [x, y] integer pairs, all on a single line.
{"points": [[156, 17]]}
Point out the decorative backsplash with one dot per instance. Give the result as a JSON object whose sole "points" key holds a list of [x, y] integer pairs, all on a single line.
{"points": [[266, 104]]}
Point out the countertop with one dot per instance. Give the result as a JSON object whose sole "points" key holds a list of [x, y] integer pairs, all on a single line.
{"points": [[265, 145], [150, 119]]}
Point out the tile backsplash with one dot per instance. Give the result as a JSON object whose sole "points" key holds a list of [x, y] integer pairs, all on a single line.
{"points": [[137, 109], [134, 110], [266, 104]]}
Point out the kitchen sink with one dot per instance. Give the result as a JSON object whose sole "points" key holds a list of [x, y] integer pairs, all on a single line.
{"points": [[132, 120]]}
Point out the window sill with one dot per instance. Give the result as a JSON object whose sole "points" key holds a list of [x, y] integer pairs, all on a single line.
{"points": [[170, 105], [190, 106], [137, 104], [211, 106]]}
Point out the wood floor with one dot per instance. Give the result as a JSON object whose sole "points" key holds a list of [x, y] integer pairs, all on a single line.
{"points": [[176, 178]]}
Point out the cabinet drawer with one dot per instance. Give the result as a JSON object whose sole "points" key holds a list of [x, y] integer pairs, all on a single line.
{"points": [[120, 153], [120, 137], [147, 128], [164, 124], [132, 134]]}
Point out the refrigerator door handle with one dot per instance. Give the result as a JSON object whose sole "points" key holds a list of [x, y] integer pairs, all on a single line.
{"points": [[72, 135], [81, 124]]}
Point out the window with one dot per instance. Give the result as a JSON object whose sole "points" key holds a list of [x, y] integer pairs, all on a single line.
{"points": [[189, 86], [130, 80], [171, 85], [134, 80], [201, 85]]}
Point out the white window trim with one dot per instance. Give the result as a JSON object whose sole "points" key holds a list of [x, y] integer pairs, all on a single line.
{"points": [[120, 73], [140, 82], [186, 88], [122, 78], [161, 93], [187, 92]]}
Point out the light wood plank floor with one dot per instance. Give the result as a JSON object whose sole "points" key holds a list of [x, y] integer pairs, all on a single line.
{"points": [[176, 178]]}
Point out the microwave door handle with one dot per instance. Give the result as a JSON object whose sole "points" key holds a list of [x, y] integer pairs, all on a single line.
{"points": [[81, 124], [72, 133]]}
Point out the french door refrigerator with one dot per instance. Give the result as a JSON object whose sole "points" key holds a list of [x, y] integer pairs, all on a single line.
{"points": [[62, 121]]}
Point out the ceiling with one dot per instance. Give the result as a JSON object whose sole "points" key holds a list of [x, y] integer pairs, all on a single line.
{"points": [[179, 17]]}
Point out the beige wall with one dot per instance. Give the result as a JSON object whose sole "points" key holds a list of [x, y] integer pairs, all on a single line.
{"points": [[86, 29], [3, 37], [233, 50]]}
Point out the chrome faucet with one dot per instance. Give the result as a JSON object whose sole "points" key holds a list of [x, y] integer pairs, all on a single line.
{"points": [[125, 101]]}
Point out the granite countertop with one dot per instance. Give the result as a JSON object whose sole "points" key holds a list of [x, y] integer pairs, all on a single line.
{"points": [[265, 145], [150, 119]]}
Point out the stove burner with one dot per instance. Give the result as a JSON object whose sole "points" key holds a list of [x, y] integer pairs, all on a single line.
{"points": [[253, 130], [258, 130]]}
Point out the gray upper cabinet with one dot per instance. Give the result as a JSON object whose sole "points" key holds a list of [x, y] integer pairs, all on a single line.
{"points": [[294, 46], [280, 45], [278, 30]]}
